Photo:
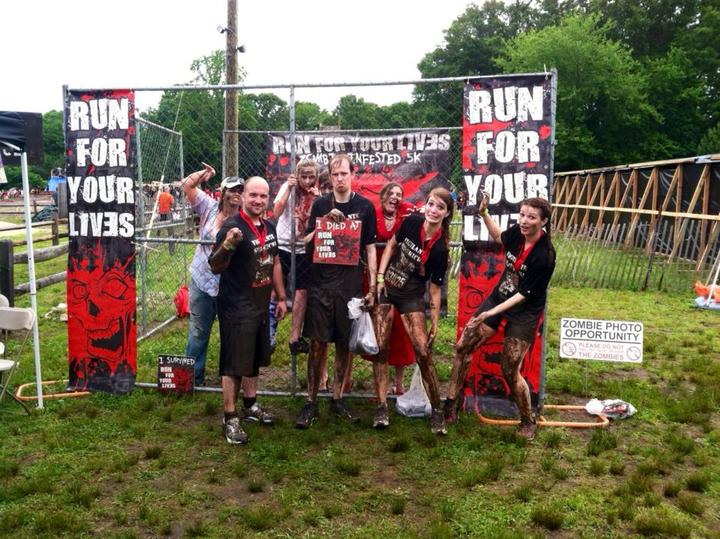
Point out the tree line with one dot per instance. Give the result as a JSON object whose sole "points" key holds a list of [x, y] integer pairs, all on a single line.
{"points": [[637, 80]]}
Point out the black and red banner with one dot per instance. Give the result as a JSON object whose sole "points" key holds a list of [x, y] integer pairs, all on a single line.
{"points": [[419, 161], [507, 151], [100, 139]]}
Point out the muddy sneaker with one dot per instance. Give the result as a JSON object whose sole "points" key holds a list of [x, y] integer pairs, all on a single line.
{"points": [[340, 409], [450, 411], [307, 416], [258, 415], [382, 417], [437, 422], [233, 431], [527, 430]]}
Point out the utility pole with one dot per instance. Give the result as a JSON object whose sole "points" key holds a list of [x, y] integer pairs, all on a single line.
{"points": [[230, 151]]}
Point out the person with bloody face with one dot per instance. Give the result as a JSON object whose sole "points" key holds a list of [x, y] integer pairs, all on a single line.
{"points": [[416, 253], [391, 212], [519, 298], [333, 285], [245, 256], [304, 185]]}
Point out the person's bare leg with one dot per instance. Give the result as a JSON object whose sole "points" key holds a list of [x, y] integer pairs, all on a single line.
{"points": [[382, 321], [249, 386], [231, 390], [513, 352], [400, 379], [324, 368], [473, 335], [417, 330], [342, 359], [298, 314], [347, 385], [313, 368]]}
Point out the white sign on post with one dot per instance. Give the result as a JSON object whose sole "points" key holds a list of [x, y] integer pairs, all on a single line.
{"points": [[602, 340]]}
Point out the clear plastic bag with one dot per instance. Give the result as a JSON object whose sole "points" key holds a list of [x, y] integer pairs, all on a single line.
{"points": [[362, 336], [415, 402]]}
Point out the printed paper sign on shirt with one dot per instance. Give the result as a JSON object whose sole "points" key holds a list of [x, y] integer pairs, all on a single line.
{"points": [[337, 243]]}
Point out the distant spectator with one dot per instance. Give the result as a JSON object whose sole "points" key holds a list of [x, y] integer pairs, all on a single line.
{"points": [[56, 178], [165, 205]]}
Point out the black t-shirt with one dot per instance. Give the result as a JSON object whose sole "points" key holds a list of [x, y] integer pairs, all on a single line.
{"points": [[406, 270], [336, 276], [246, 284], [533, 277]]}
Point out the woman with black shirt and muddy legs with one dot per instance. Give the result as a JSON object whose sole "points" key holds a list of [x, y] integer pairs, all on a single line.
{"points": [[519, 298], [416, 253]]}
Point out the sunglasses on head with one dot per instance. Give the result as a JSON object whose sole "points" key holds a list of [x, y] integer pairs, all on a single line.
{"points": [[233, 182]]}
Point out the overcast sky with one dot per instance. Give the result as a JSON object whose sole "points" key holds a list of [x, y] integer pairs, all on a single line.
{"points": [[142, 43]]}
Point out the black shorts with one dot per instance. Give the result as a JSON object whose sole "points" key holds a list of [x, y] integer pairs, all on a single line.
{"points": [[244, 346], [326, 317], [519, 324], [302, 269], [412, 301]]}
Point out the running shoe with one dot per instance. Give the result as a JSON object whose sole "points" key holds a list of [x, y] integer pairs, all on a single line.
{"points": [[340, 409], [527, 430], [382, 417], [307, 416], [258, 415], [450, 410], [234, 434], [437, 422]]}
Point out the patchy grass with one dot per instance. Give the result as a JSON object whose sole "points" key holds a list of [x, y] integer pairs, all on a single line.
{"points": [[147, 466]]}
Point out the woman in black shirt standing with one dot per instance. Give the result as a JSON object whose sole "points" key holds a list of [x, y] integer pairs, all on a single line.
{"points": [[416, 253], [518, 298]]}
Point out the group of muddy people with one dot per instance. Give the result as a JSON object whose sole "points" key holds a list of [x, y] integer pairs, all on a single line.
{"points": [[245, 273]]}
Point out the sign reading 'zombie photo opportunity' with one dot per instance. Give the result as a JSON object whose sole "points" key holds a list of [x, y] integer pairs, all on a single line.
{"points": [[337, 243], [507, 152], [417, 161], [100, 164]]}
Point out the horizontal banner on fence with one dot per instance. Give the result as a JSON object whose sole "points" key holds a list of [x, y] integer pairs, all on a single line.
{"points": [[417, 161], [602, 340]]}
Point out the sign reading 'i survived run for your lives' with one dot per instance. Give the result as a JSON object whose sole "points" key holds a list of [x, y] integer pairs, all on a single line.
{"points": [[508, 124], [100, 162]]}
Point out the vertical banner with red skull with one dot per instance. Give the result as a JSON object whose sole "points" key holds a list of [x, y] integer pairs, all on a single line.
{"points": [[508, 125], [100, 142], [419, 161]]}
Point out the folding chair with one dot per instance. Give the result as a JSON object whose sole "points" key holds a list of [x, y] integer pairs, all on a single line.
{"points": [[14, 319]]}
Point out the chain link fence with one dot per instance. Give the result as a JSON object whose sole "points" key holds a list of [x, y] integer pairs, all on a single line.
{"points": [[185, 129]]}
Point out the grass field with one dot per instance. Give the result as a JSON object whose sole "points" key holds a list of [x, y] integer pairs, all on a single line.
{"points": [[148, 466]]}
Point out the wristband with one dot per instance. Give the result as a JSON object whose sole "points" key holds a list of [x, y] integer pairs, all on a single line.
{"points": [[380, 278], [484, 213], [228, 247]]}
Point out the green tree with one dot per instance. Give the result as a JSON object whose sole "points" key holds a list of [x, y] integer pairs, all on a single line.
{"points": [[354, 112], [603, 113], [53, 140], [198, 114], [710, 142], [309, 116]]}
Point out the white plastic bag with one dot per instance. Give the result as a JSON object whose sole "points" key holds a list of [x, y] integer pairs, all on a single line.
{"points": [[362, 333], [415, 402], [612, 408]]}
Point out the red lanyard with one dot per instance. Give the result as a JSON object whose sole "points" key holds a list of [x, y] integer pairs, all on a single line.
{"points": [[426, 249], [260, 235]]}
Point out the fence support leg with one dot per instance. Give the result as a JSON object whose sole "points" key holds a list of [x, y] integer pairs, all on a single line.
{"points": [[7, 284]]}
